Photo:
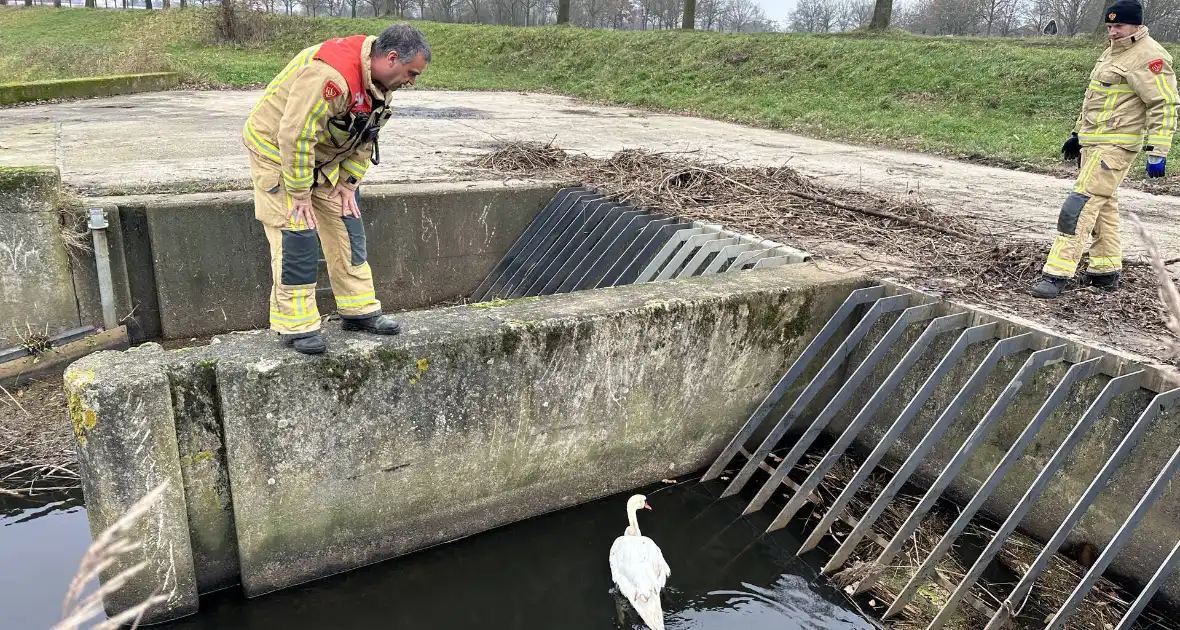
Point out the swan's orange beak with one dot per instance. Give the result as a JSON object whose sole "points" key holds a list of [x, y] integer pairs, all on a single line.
{"points": [[646, 506]]}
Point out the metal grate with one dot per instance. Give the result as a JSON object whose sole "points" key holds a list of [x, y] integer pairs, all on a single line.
{"points": [[582, 240], [918, 309]]}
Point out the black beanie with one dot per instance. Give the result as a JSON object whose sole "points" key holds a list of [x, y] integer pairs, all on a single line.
{"points": [[1125, 12]]}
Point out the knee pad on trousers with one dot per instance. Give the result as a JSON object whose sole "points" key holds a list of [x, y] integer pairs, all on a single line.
{"points": [[356, 240], [1067, 220], [301, 257]]}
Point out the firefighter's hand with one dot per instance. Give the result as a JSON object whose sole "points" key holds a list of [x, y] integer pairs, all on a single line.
{"points": [[1156, 166], [301, 209], [1072, 149], [348, 207]]}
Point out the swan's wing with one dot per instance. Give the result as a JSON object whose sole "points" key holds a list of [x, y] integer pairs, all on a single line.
{"points": [[638, 566]]}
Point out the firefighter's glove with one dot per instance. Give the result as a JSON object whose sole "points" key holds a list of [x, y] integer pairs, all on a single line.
{"points": [[1072, 149], [1155, 166]]}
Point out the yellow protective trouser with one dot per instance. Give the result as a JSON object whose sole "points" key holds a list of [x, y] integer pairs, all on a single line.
{"points": [[1092, 209], [294, 254]]}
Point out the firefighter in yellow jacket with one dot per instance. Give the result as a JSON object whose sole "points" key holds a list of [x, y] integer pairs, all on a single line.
{"points": [[1132, 94], [311, 137]]}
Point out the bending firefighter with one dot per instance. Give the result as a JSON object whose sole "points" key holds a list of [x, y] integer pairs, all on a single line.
{"points": [[311, 138], [1132, 93]]}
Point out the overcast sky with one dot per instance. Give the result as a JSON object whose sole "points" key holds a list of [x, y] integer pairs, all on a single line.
{"points": [[777, 10]]}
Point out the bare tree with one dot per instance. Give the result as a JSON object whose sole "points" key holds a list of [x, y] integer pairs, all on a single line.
{"points": [[812, 16], [1071, 14], [708, 14], [852, 14], [743, 16], [690, 15]]}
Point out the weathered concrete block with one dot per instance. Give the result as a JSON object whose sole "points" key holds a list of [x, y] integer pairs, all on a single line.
{"points": [[35, 284], [126, 436], [87, 87], [297, 467]]}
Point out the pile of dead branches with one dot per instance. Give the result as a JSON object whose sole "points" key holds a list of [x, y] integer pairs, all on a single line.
{"points": [[902, 238]]}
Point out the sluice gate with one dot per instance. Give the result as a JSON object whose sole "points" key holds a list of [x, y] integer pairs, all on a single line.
{"points": [[907, 325]]}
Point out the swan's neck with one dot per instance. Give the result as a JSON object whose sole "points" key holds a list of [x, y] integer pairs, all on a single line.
{"points": [[634, 523]]}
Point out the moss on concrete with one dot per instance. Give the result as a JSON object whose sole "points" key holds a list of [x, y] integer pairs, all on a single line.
{"points": [[91, 87]]}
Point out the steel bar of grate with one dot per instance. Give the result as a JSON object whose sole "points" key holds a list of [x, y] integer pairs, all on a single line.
{"points": [[669, 249], [551, 246], [894, 432], [571, 254], [909, 316], [1036, 361], [629, 227], [712, 247], [854, 300], [540, 244], [591, 248], [672, 268], [974, 334], [558, 205], [1161, 482], [1160, 403], [772, 261], [1115, 387], [1076, 373], [1005, 348], [935, 328], [1153, 586], [725, 256], [879, 309], [748, 258], [650, 240]]}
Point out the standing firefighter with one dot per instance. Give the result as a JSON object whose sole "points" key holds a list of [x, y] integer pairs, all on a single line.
{"points": [[1132, 93], [311, 138]]}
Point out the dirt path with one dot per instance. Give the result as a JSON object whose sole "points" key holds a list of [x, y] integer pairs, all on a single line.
{"points": [[182, 138]]}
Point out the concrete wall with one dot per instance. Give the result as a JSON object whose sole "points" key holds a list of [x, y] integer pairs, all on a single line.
{"points": [[427, 244], [294, 468], [88, 87], [195, 265], [35, 284]]}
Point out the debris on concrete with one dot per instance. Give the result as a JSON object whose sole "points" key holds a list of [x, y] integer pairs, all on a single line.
{"points": [[982, 263]]}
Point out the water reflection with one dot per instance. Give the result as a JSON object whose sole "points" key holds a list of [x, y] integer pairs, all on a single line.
{"points": [[552, 572], [42, 540], [548, 572]]}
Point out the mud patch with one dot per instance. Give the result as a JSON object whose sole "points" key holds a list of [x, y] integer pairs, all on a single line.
{"points": [[438, 112]]}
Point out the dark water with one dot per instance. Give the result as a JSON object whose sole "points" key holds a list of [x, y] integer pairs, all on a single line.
{"points": [[42, 540], [544, 573]]}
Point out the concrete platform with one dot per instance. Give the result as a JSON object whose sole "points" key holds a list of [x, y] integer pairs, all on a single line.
{"points": [[178, 138]]}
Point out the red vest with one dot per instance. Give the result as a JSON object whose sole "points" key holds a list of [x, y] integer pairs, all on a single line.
{"points": [[344, 55]]}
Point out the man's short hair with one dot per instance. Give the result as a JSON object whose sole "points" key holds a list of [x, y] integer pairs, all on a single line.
{"points": [[403, 39]]}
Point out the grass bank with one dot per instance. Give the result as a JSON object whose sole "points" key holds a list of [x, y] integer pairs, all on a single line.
{"points": [[1001, 100]]}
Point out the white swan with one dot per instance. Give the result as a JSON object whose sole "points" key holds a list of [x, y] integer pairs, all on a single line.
{"points": [[638, 568]]}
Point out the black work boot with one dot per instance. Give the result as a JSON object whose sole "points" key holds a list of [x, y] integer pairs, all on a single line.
{"points": [[1103, 281], [306, 343], [1049, 287], [376, 323]]}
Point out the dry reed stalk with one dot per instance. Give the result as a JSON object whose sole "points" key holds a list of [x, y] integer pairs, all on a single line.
{"points": [[106, 549]]}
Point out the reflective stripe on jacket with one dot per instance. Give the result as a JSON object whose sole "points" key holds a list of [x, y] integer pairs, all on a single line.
{"points": [[304, 121], [1132, 94]]}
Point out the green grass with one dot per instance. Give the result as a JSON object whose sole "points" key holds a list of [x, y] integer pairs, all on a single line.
{"points": [[990, 98]]}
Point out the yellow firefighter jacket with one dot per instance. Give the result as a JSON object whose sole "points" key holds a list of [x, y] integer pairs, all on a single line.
{"points": [[1132, 93], [319, 116]]}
